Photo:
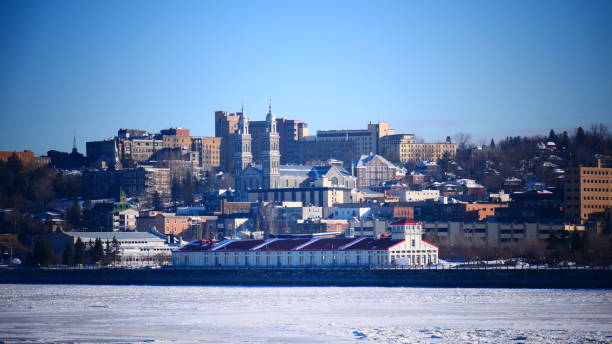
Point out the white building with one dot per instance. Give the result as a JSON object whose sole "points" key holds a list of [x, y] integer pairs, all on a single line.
{"points": [[347, 213], [404, 247], [136, 247], [417, 196], [125, 220]]}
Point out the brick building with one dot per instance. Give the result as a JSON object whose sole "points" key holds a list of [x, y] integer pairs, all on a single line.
{"points": [[27, 158], [373, 170]]}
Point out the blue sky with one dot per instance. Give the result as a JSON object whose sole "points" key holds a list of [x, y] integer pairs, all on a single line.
{"points": [[432, 68]]}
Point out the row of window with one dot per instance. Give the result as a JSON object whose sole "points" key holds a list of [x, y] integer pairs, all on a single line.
{"points": [[596, 206], [596, 181], [289, 260], [601, 173], [596, 198]]}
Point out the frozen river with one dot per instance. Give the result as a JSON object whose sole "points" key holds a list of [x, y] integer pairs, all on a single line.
{"points": [[179, 314]]}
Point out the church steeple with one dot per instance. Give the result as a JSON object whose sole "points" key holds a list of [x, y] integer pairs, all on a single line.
{"points": [[242, 144], [270, 119], [271, 154], [74, 147]]}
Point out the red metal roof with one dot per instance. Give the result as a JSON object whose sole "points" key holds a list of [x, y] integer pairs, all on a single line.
{"points": [[282, 244], [405, 223], [327, 244], [374, 244], [324, 244], [428, 243], [241, 245]]}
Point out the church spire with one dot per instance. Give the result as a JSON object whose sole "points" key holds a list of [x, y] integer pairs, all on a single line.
{"points": [[74, 147]]}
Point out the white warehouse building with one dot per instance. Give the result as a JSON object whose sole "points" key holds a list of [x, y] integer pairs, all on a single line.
{"points": [[404, 247]]}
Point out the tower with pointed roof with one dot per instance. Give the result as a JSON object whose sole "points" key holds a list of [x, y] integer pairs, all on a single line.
{"points": [[270, 159], [242, 144]]}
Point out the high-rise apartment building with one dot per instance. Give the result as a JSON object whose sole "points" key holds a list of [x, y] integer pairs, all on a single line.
{"points": [[226, 124], [208, 150], [588, 190]]}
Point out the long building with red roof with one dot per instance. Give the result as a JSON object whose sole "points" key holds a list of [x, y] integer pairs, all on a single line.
{"points": [[404, 247]]}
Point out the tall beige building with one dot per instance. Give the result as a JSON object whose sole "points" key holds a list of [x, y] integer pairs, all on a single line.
{"points": [[405, 148], [208, 150], [588, 190], [226, 124], [175, 141], [141, 149]]}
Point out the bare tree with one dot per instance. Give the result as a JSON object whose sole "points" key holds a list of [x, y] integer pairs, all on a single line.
{"points": [[462, 140]]}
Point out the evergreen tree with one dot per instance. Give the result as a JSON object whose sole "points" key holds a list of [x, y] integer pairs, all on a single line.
{"points": [[552, 136], [80, 254], [30, 259], [157, 202], [187, 190], [42, 252], [564, 139], [89, 252], [108, 253], [580, 136], [97, 252], [116, 250], [176, 191], [73, 214], [576, 241], [87, 218], [492, 144], [15, 164], [68, 255]]}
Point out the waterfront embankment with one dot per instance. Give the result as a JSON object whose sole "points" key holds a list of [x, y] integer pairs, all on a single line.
{"points": [[484, 278]]}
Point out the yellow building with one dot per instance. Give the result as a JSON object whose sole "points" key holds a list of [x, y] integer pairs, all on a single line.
{"points": [[405, 148], [208, 149], [175, 141], [587, 190]]}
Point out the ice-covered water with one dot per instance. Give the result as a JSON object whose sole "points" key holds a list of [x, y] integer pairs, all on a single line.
{"points": [[180, 314]]}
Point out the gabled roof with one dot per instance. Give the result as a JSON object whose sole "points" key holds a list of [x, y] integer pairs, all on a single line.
{"points": [[322, 171], [314, 244], [374, 244], [365, 159]]}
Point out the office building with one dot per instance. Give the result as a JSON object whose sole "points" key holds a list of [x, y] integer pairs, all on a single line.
{"points": [[588, 190]]}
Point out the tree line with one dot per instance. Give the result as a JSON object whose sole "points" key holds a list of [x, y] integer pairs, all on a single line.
{"points": [[80, 253]]}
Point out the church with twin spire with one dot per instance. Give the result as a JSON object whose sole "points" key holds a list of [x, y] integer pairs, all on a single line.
{"points": [[256, 181]]}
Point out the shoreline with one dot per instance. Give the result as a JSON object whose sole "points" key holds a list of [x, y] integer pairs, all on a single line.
{"points": [[459, 278]]}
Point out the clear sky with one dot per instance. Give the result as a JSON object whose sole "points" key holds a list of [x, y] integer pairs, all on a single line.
{"points": [[432, 68]]}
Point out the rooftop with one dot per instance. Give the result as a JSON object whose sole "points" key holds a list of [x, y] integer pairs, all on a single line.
{"points": [[309, 244]]}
